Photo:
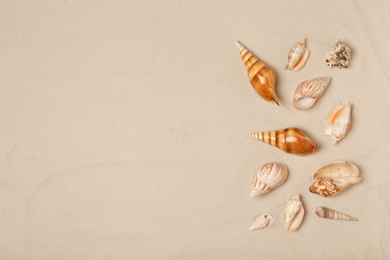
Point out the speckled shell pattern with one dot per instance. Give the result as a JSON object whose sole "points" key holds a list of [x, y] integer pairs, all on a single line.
{"points": [[291, 140], [327, 213], [260, 76]]}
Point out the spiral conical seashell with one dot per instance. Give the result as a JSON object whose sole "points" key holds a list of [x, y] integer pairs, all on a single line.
{"points": [[309, 91], [323, 212], [260, 76], [339, 121], [297, 56], [333, 178], [261, 221], [293, 214], [268, 177], [339, 56], [290, 140]]}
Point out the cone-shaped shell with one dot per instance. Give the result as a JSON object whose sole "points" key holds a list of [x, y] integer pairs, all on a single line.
{"points": [[323, 212], [339, 56], [297, 56], [333, 178], [291, 140], [268, 177], [309, 91], [293, 214], [338, 122], [261, 221], [260, 76]]}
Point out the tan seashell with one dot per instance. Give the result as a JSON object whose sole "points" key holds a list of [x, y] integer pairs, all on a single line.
{"points": [[293, 214], [309, 91], [261, 221], [338, 122], [323, 212], [339, 56], [291, 140], [268, 177], [260, 76], [333, 178], [297, 56]]}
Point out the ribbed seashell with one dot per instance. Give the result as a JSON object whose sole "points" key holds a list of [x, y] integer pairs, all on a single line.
{"points": [[333, 178], [297, 56], [339, 56], [293, 214], [261, 221], [268, 177], [323, 212], [309, 91], [291, 140], [260, 76], [339, 121]]}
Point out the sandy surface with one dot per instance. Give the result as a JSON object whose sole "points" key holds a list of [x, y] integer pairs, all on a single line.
{"points": [[126, 129]]}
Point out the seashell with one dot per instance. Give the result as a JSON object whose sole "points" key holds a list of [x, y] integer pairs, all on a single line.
{"points": [[309, 91], [268, 177], [339, 56], [293, 214], [261, 221], [323, 212], [297, 56], [291, 140], [260, 76], [333, 178], [339, 121]]}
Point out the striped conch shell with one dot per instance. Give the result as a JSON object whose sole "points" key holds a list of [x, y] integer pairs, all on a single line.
{"points": [[333, 178], [297, 56], [339, 56], [260, 76], [261, 221], [323, 212], [293, 214], [339, 121], [309, 91], [291, 140], [268, 177]]}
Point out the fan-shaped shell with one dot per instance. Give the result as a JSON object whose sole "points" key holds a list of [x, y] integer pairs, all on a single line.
{"points": [[260, 75], [291, 140], [333, 178], [261, 221], [297, 56], [293, 214], [338, 122], [323, 212], [309, 91], [268, 177]]}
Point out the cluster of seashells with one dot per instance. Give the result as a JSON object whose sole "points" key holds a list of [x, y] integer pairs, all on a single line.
{"points": [[328, 180]]}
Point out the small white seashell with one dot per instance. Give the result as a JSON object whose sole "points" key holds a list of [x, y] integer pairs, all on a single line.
{"points": [[293, 214], [260, 221], [339, 56], [323, 212], [339, 121], [297, 56], [333, 178], [268, 177], [309, 91]]}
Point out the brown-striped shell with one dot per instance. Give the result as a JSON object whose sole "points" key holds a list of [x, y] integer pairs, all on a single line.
{"points": [[324, 212], [307, 93], [297, 56], [293, 214], [291, 140], [268, 177], [260, 76], [333, 178]]}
